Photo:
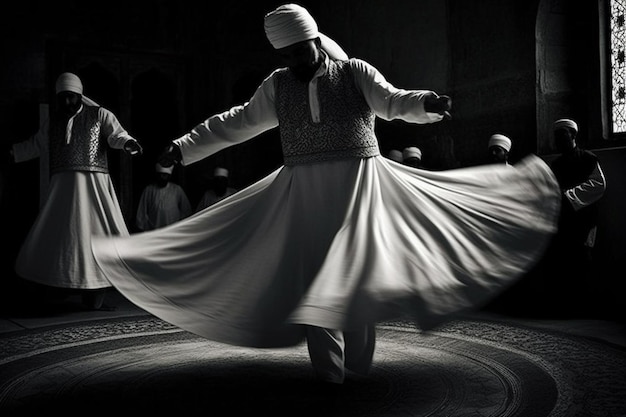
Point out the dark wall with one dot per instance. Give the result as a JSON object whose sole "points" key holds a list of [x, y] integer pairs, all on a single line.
{"points": [[611, 240], [164, 66]]}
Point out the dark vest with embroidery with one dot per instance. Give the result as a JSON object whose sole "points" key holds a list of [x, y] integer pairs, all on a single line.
{"points": [[346, 127], [87, 151]]}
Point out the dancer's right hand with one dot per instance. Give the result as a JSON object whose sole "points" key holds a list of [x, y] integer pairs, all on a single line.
{"points": [[170, 156]]}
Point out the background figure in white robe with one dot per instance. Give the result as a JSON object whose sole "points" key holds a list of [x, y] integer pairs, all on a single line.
{"points": [[219, 189], [162, 202], [81, 200], [339, 237]]}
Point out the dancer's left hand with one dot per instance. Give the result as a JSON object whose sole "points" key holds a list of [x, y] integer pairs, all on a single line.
{"points": [[438, 104], [132, 147]]}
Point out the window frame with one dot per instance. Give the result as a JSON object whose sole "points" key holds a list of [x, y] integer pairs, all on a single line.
{"points": [[611, 136]]}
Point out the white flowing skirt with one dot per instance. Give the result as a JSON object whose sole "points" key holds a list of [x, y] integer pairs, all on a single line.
{"points": [[57, 250], [337, 245]]}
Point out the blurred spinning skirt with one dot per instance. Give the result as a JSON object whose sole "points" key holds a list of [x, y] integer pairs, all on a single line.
{"points": [[339, 244]]}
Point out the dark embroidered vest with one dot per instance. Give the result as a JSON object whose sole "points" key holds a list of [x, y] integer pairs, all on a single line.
{"points": [[87, 150], [346, 127]]}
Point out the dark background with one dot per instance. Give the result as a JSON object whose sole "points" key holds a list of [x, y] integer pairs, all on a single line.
{"points": [[510, 66]]}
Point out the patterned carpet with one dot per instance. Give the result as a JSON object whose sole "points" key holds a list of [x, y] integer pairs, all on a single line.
{"points": [[465, 368]]}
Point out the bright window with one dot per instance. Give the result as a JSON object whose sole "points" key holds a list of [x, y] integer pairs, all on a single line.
{"points": [[618, 67]]}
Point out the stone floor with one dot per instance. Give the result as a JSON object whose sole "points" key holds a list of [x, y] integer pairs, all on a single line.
{"points": [[69, 311]]}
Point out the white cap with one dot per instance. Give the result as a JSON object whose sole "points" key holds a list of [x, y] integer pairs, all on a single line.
{"points": [[395, 155], [561, 123], [165, 170], [220, 172], [411, 152], [501, 141]]}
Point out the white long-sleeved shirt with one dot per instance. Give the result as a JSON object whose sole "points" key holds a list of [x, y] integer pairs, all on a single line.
{"points": [[589, 191], [246, 121]]}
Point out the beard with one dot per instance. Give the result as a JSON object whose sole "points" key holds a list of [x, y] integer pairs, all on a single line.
{"points": [[304, 73], [220, 190], [68, 111]]}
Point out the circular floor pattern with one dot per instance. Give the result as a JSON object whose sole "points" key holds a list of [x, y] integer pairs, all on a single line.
{"points": [[466, 368]]}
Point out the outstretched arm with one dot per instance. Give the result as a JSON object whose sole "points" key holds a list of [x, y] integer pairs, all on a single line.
{"points": [[389, 102], [231, 127], [117, 136]]}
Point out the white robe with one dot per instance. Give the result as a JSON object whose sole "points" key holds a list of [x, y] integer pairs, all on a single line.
{"points": [[77, 205], [335, 244]]}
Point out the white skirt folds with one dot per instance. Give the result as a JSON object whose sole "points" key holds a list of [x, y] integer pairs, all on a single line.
{"points": [[57, 250], [337, 245]]}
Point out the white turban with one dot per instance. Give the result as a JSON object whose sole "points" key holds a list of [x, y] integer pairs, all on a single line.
{"points": [[69, 82], [289, 24], [561, 123], [165, 170], [220, 172], [395, 155], [332, 48], [411, 152], [501, 141]]}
